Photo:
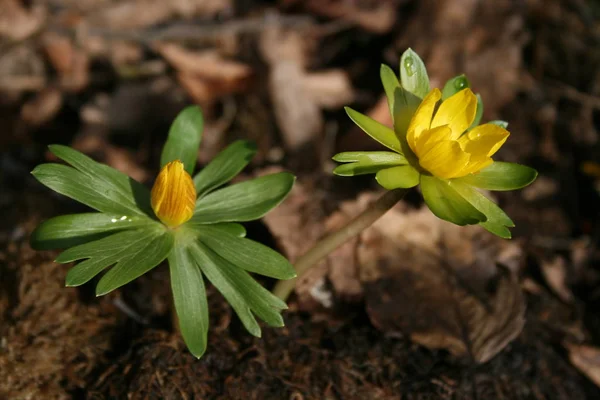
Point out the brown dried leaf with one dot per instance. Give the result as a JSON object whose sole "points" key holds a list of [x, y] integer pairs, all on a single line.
{"points": [[71, 63], [296, 224], [142, 13], [207, 64], [297, 95], [22, 69], [329, 89], [440, 284], [378, 17], [43, 107], [555, 274], [485, 43], [297, 115], [586, 359], [17, 22]]}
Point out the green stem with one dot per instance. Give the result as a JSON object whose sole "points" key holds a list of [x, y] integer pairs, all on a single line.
{"points": [[328, 244]]}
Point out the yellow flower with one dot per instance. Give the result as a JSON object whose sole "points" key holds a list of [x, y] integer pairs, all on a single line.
{"points": [[173, 195], [440, 143]]}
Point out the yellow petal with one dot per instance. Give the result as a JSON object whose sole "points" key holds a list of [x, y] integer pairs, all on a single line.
{"points": [[444, 159], [430, 137], [474, 165], [173, 195], [484, 140], [457, 111], [422, 117]]}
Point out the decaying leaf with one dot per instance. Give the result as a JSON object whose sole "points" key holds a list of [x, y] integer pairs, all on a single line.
{"points": [[297, 224], [555, 273], [465, 38], [442, 285], [17, 22], [207, 64], [586, 359], [376, 16], [71, 63], [205, 75], [142, 13], [43, 107], [298, 95]]}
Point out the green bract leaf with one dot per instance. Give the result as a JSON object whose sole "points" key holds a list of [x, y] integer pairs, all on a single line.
{"points": [[405, 105], [455, 85], [497, 220], [390, 83], [93, 184], [244, 201], [225, 166], [70, 230], [502, 124], [404, 176], [478, 112], [241, 291], [184, 139], [134, 252], [413, 74], [245, 253], [189, 297], [376, 130], [446, 203], [366, 162], [501, 176]]}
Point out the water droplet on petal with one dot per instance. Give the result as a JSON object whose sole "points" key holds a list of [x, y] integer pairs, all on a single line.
{"points": [[409, 63]]}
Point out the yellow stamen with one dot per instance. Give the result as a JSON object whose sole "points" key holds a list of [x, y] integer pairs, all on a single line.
{"points": [[173, 195]]}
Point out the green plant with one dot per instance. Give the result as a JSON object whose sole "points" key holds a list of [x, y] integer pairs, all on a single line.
{"points": [[192, 223], [436, 142]]}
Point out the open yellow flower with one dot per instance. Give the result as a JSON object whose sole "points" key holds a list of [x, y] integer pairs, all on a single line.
{"points": [[173, 195], [438, 138]]}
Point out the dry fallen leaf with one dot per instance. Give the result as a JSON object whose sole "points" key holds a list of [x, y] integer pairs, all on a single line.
{"points": [[71, 63], [22, 69], [485, 43], [555, 273], [207, 64], [377, 16], [205, 75], [17, 22], [298, 95], [586, 359], [296, 224], [328, 89], [441, 284], [43, 107], [135, 14]]}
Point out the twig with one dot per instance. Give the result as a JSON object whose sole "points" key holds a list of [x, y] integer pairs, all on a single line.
{"points": [[573, 94], [191, 34], [336, 239]]}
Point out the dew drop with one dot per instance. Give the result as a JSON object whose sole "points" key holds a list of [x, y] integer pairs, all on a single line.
{"points": [[460, 84], [409, 65]]}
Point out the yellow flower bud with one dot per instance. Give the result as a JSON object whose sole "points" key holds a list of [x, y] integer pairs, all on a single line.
{"points": [[173, 195]]}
